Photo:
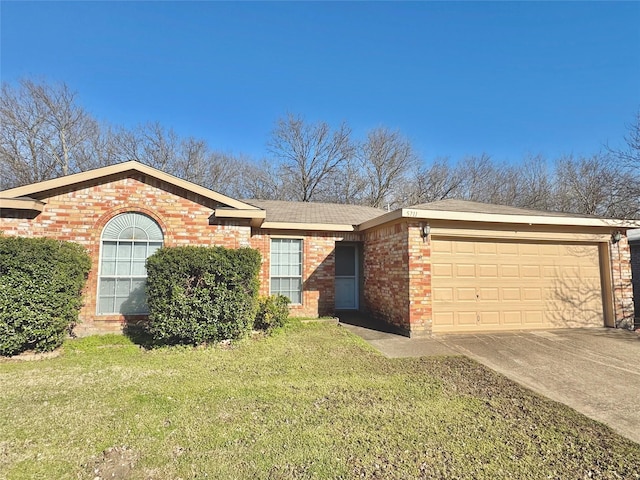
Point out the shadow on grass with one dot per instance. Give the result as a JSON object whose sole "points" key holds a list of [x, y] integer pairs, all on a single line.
{"points": [[137, 333]]}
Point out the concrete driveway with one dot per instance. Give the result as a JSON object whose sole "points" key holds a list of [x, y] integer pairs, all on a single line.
{"points": [[594, 371]]}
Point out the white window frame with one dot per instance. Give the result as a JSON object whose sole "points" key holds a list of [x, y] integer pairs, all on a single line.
{"points": [[290, 276], [137, 233]]}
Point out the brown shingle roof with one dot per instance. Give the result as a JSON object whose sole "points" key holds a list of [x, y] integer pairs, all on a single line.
{"points": [[310, 212], [455, 205]]}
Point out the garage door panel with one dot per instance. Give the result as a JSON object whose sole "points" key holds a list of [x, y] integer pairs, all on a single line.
{"points": [[467, 318], [466, 294], [442, 294], [510, 294], [489, 293], [514, 285], [532, 294], [510, 271], [464, 247], [489, 319], [533, 317], [507, 248], [442, 270], [488, 271], [529, 249], [530, 271], [485, 248], [512, 317], [465, 270]]}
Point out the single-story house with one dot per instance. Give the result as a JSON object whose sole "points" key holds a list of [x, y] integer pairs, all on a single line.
{"points": [[441, 267]]}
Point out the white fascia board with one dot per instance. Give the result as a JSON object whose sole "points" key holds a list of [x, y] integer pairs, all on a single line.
{"points": [[325, 227], [518, 219]]}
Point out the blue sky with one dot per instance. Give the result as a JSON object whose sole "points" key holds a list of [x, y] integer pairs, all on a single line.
{"points": [[505, 78]]}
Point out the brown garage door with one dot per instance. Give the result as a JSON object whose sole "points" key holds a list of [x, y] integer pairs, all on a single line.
{"points": [[502, 285]]}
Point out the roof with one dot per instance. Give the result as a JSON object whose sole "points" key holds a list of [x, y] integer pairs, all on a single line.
{"points": [[314, 216]]}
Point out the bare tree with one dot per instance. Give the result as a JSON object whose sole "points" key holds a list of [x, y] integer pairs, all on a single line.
{"points": [[387, 157], [437, 181], [308, 154], [535, 184], [43, 133], [595, 185]]}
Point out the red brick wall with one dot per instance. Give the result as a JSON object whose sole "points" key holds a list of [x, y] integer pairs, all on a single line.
{"points": [[622, 284], [386, 277], [81, 215], [318, 295], [635, 278], [420, 309], [397, 264]]}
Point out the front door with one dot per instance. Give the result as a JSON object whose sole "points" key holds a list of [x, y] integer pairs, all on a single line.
{"points": [[346, 281]]}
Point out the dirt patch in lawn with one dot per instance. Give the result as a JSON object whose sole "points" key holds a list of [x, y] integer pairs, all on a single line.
{"points": [[113, 463]]}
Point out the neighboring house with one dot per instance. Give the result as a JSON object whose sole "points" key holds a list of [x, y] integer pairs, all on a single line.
{"points": [[447, 266], [634, 242]]}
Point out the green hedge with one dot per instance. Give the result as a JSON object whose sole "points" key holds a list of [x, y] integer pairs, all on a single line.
{"points": [[41, 282], [201, 294]]}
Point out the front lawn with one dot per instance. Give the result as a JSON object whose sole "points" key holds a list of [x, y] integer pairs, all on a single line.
{"points": [[312, 401]]}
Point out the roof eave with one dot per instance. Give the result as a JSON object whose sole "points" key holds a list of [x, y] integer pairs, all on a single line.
{"points": [[28, 204], [420, 214], [256, 217], [328, 227]]}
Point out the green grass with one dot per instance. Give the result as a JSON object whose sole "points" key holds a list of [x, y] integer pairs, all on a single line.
{"points": [[311, 401]]}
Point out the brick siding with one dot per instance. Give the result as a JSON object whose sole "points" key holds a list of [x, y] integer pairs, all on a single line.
{"points": [[318, 259], [386, 276], [622, 284], [635, 278], [80, 216]]}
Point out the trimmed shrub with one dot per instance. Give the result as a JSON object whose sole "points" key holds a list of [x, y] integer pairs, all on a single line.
{"points": [[273, 312], [201, 294], [41, 282]]}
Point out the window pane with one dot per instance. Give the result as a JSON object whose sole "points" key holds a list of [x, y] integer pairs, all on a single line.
{"points": [[345, 261], [105, 305], [123, 287], [123, 267], [108, 267], [153, 247], [109, 249], [126, 234], [107, 287], [139, 268], [275, 286], [139, 234], [124, 250], [119, 301], [139, 250]]}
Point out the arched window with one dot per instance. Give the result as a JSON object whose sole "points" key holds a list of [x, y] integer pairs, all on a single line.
{"points": [[127, 240]]}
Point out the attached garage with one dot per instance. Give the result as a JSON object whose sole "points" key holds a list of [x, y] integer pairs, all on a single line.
{"points": [[456, 266], [504, 285]]}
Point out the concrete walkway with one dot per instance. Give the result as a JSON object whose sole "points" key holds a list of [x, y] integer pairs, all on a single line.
{"points": [[397, 346], [594, 371]]}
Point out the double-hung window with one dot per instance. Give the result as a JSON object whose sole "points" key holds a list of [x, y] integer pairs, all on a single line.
{"points": [[286, 268], [127, 240]]}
